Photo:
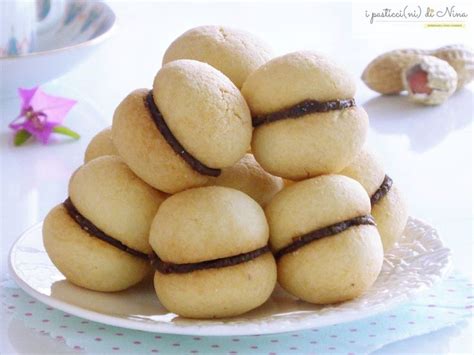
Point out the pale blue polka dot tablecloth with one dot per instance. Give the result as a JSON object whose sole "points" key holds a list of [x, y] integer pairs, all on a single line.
{"points": [[448, 303]]}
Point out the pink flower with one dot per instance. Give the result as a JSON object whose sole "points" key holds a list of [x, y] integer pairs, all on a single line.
{"points": [[41, 115]]}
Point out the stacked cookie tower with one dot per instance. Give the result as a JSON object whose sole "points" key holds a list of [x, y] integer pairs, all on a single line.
{"points": [[172, 187]]}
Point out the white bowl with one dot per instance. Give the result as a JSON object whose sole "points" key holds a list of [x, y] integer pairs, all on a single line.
{"points": [[84, 25]]}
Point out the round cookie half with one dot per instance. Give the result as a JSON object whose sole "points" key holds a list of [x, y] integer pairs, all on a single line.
{"points": [[212, 255], [205, 112], [327, 246], [388, 205], [218, 293], [234, 52], [101, 144], [249, 177], [145, 150], [87, 261], [305, 118], [115, 200]]}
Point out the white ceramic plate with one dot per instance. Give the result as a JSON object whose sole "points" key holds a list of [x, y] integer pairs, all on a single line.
{"points": [[418, 261]]}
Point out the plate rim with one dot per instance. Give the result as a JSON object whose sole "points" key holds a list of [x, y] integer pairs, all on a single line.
{"points": [[216, 329]]}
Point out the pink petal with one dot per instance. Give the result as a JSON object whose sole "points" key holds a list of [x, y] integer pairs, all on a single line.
{"points": [[56, 108], [26, 96], [16, 124], [30, 127], [42, 134]]}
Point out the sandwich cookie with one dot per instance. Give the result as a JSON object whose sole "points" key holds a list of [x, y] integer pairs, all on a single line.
{"points": [[305, 117], [191, 125], [388, 205], [212, 258], [249, 177], [234, 52], [324, 239], [98, 238], [101, 144]]}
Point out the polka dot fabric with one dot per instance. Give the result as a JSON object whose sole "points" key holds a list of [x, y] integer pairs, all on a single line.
{"points": [[448, 303]]}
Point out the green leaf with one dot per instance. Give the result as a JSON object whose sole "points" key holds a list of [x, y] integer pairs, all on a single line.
{"points": [[66, 131], [21, 137]]}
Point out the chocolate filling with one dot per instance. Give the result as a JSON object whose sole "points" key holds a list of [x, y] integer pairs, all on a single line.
{"points": [[303, 108], [382, 190], [301, 241], [173, 142], [170, 268], [90, 228]]}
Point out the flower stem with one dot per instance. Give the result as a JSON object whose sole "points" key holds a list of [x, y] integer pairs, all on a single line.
{"points": [[66, 131]]}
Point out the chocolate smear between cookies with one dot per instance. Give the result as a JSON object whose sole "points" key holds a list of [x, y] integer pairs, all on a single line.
{"points": [[90, 228], [382, 190], [173, 142], [171, 268], [301, 241], [303, 108]]}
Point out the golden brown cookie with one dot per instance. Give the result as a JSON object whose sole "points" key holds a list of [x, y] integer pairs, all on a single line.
{"points": [[388, 205], [325, 241], [192, 124], [234, 52], [98, 238], [249, 177], [305, 117], [212, 255], [101, 144]]}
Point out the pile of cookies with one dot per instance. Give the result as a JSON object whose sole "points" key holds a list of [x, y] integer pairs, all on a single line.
{"points": [[234, 171]]}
